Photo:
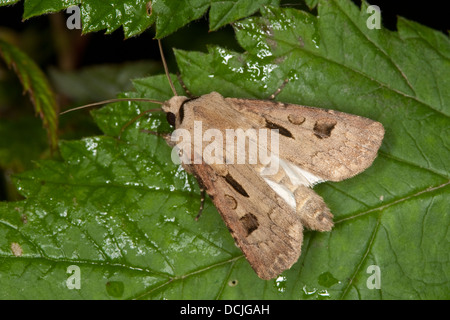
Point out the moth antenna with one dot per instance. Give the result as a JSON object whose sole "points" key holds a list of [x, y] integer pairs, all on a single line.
{"points": [[110, 101], [166, 69], [140, 115], [180, 80], [163, 135]]}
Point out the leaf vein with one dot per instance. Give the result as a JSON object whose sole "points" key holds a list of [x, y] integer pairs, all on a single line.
{"points": [[395, 202]]}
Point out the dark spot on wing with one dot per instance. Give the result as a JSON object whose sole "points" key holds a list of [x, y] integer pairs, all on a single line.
{"points": [[323, 128], [296, 119], [236, 186], [281, 130], [231, 202], [250, 223]]}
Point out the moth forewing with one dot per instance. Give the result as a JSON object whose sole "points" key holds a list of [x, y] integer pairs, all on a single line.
{"points": [[265, 228], [329, 144]]}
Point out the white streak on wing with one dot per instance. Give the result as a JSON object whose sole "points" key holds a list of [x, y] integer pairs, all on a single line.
{"points": [[298, 176], [283, 192]]}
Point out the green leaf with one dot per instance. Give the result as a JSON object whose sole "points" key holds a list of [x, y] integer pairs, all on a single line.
{"points": [[34, 83], [224, 12], [172, 15], [311, 3], [135, 16], [36, 8], [131, 14], [123, 213], [98, 15]]}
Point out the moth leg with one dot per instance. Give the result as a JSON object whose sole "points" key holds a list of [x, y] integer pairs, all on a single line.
{"points": [[279, 89], [314, 213], [189, 94], [202, 204]]}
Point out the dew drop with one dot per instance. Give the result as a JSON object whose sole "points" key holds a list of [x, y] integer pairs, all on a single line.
{"points": [[309, 292], [280, 284]]}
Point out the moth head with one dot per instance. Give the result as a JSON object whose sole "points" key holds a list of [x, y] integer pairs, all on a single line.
{"points": [[172, 109]]}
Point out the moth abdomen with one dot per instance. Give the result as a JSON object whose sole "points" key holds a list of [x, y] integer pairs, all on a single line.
{"points": [[312, 210]]}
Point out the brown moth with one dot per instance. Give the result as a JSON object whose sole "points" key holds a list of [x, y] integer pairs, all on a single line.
{"points": [[266, 212]]}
